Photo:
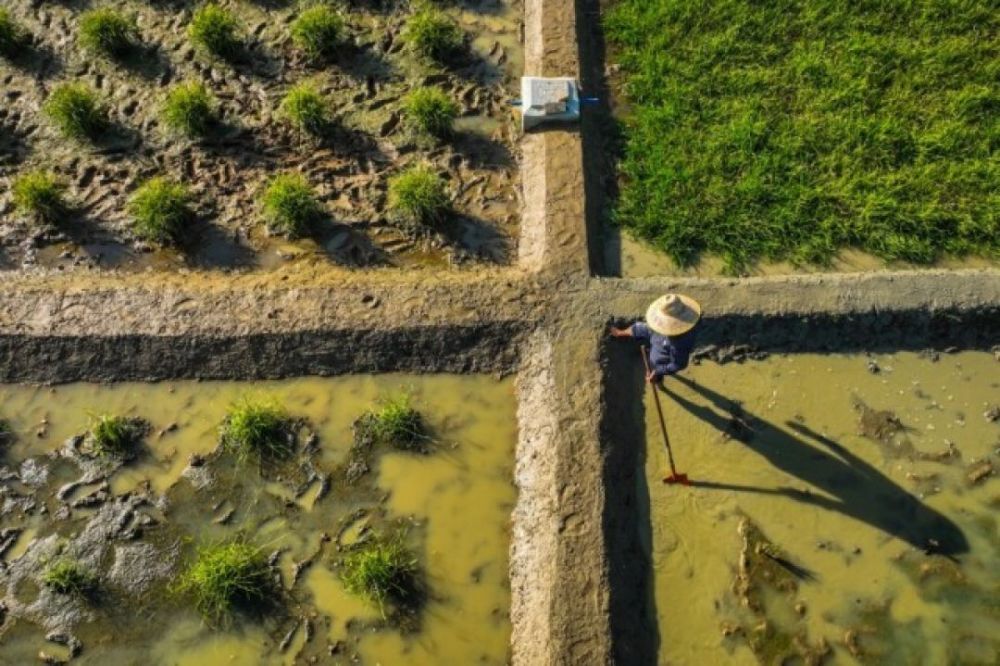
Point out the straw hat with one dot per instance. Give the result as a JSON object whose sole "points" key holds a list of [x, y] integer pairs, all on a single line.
{"points": [[673, 314]]}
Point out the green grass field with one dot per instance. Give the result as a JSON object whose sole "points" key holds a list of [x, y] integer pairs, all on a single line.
{"points": [[787, 130]]}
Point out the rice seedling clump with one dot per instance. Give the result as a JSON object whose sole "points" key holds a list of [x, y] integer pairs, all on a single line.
{"points": [[116, 436], [107, 32], [215, 30], [67, 576], [290, 206], [306, 109], [418, 196], [75, 111], [7, 435], [189, 109], [789, 130], [12, 36], [384, 571], [39, 195], [161, 210], [317, 31], [259, 430], [395, 422], [432, 33], [226, 577], [431, 111]]}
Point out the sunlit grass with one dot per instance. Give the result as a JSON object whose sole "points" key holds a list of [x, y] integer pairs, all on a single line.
{"points": [[75, 111], [226, 577], [13, 37], [432, 33], [39, 195], [107, 32], [66, 576], [215, 30], [418, 196], [397, 423], [161, 210], [384, 571], [189, 109], [431, 111], [317, 31], [290, 205], [259, 430], [306, 109], [115, 436], [790, 130]]}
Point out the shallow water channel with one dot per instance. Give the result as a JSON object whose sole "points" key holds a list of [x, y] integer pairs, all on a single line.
{"points": [[841, 505], [452, 505]]}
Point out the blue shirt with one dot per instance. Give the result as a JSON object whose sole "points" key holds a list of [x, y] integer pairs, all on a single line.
{"points": [[667, 356]]}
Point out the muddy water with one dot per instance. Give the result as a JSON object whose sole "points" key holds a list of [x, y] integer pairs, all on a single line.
{"points": [[453, 505], [778, 443]]}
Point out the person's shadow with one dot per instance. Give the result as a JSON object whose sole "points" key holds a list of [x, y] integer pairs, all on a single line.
{"points": [[860, 490]]}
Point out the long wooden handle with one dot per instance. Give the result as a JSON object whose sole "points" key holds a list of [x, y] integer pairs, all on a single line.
{"points": [[659, 412]]}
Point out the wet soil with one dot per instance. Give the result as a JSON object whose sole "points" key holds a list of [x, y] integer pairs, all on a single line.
{"points": [[369, 141], [136, 523]]}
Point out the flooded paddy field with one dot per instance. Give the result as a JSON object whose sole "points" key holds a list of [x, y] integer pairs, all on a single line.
{"points": [[137, 525], [367, 138], [843, 510]]}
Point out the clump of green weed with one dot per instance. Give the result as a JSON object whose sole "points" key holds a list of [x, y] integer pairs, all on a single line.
{"points": [[306, 109], [160, 210], [39, 194], [7, 435], [116, 436], [227, 576], [67, 576], [431, 110], [12, 36], [396, 422], [418, 196], [189, 109], [290, 204], [258, 429], [384, 571], [215, 30], [107, 32], [432, 33], [76, 112], [317, 31]]}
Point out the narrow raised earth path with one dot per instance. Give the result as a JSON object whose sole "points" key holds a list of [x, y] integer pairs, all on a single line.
{"points": [[576, 592]]}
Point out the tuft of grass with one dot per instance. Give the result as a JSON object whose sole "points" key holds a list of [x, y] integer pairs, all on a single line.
{"points": [[384, 571], [290, 205], [215, 30], [116, 436], [69, 577], [76, 112], [107, 32], [431, 111], [396, 422], [225, 577], [189, 109], [432, 33], [7, 435], [39, 194], [161, 210], [317, 31], [306, 109], [13, 37], [789, 131], [258, 430], [418, 196]]}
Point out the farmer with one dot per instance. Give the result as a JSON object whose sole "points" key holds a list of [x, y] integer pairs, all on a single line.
{"points": [[670, 333]]}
